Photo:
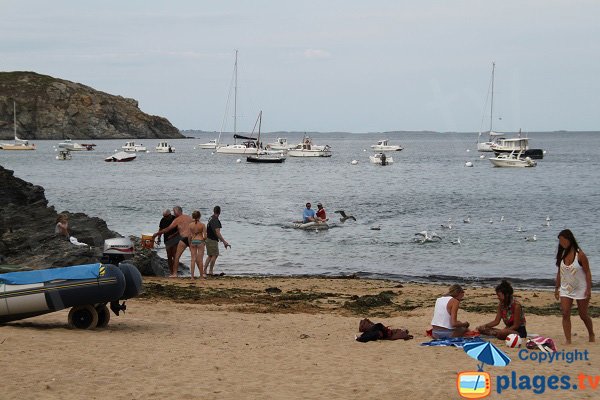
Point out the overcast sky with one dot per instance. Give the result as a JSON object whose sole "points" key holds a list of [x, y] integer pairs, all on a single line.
{"points": [[347, 65]]}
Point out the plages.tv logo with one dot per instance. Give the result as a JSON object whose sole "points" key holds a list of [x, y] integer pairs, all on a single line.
{"points": [[473, 384]]}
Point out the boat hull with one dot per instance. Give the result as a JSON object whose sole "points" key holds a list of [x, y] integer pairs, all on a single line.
{"points": [[308, 226], [309, 153], [386, 148], [10, 146], [378, 161], [512, 162], [266, 159], [88, 285], [234, 149], [121, 157]]}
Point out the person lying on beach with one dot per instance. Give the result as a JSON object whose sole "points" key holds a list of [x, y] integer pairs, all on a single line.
{"points": [[509, 311], [378, 331], [445, 323]]}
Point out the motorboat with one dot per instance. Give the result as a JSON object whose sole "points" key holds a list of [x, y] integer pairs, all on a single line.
{"points": [[121, 156], [308, 149], [381, 159], [279, 144], [211, 144], [513, 159], [69, 145], [517, 144], [131, 147], [263, 156], [383, 145], [164, 147], [19, 144], [311, 226], [64, 155]]}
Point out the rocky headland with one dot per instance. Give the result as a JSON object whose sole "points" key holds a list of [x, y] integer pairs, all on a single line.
{"points": [[28, 241], [52, 108]]}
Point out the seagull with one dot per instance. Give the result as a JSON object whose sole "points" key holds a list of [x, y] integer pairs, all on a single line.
{"points": [[448, 226], [491, 221], [457, 241], [547, 223], [467, 220], [343, 216], [547, 218], [426, 237], [520, 229], [531, 238], [502, 218]]}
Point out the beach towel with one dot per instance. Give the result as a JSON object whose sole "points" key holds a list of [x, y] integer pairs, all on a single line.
{"points": [[456, 342], [429, 332], [543, 343]]}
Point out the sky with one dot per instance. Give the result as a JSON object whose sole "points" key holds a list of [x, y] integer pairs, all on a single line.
{"points": [[338, 65]]}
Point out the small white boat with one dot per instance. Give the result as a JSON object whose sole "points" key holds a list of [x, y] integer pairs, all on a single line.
{"points": [[131, 147], [311, 225], [381, 159], [121, 156], [165, 147], [308, 149], [211, 145], [383, 145], [69, 145], [247, 147], [64, 155], [512, 159], [19, 144], [279, 144]]}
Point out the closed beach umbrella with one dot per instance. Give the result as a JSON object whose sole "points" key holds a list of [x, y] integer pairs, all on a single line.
{"points": [[486, 353]]}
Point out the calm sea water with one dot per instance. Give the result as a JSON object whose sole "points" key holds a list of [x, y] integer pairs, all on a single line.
{"points": [[426, 186]]}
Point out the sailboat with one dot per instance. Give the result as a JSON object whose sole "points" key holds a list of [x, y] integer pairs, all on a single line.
{"points": [[263, 156], [492, 136], [249, 144], [19, 144]]}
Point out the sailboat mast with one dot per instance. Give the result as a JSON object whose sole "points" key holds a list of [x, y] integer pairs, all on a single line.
{"points": [[235, 67], [258, 138], [492, 101], [15, 118]]}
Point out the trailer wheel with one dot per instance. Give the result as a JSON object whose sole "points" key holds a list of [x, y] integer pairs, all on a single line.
{"points": [[83, 317], [103, 316]]}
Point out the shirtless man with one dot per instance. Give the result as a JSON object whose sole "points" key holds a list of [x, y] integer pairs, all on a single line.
{"points": [[182, 223]]}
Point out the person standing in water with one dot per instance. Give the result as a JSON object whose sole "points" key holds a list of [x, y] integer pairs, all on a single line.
{"points": [[196, 240], [213, 236], [182, 223], [573, 282]]}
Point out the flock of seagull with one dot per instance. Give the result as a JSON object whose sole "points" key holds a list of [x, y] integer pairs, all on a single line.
{"points": [[429, 237]]}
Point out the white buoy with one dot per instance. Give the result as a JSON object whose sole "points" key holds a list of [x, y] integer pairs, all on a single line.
{"points": [[239, 160], [468, 164], [364, 149], [354, 162], [468, 150], [544, 151]]}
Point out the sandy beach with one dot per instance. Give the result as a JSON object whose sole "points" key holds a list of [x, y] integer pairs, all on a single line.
{"points": [[276, 338]]}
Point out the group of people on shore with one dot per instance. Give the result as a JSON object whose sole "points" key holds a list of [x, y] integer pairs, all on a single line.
{"points": [[573, 282], [181, 231]]}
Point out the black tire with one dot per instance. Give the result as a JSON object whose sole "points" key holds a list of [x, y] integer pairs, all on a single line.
{"points": [[83, 317], [103, 316]]}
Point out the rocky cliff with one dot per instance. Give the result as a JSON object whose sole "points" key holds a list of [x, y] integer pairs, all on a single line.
{"points": [[51, 108], [27, 237]]}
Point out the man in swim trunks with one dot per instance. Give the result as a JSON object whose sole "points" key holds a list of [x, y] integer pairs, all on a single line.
{"points": [[182, 223], [213, 236]]}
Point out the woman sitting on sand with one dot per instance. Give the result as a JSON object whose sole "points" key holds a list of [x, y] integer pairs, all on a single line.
{"points": [[509, 311], [445, 323]]}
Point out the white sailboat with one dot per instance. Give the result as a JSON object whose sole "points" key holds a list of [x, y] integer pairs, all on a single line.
{"points": [[492, 136], [19, 144], [262, 156], [248, 145]]}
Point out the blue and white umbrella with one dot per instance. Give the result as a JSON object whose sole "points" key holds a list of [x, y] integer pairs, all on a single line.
{"points": [[487, 353]]}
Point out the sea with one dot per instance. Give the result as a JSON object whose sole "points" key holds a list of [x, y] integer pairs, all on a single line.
{"points": [[427, 186]]}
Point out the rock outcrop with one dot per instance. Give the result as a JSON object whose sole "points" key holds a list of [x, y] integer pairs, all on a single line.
{"points": [[27, 237], [51, 108]]}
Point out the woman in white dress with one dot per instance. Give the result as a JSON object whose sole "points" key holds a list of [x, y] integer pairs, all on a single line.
{"points": [[573, 282]]}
